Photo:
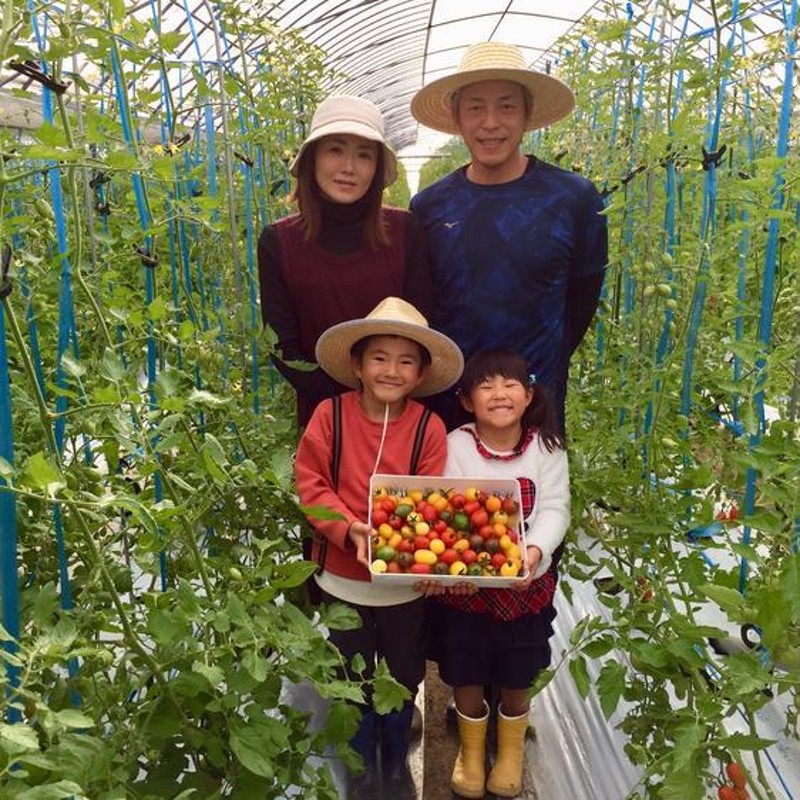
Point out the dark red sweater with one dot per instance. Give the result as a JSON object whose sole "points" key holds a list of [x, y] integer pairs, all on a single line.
{"points": [[308, 286]]}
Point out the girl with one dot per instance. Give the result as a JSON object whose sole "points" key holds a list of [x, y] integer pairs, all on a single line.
{"points": [[343, 251], [499, 637]]}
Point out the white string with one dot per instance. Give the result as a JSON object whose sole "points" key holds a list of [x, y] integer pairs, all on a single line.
{"points": [[383, 437]]}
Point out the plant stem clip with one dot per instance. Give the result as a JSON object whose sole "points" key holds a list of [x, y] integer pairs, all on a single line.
{"points": [[32, 70], [713, 158]]}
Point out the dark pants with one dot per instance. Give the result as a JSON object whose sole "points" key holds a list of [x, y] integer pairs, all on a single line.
{"points": [[390, 632]]}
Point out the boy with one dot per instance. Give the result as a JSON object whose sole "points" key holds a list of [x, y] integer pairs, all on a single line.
{"points": [[388, 357]]}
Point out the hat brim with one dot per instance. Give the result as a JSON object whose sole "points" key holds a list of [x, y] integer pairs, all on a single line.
{"points": [[357, 129], [334, 346], [552, 99]]}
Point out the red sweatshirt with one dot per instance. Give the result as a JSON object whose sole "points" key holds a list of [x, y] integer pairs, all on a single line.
{"points": [[360, 442]]}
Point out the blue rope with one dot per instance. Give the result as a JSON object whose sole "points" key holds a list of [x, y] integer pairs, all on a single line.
{"points": [[9, 587], [707, 225], [770, 262]]}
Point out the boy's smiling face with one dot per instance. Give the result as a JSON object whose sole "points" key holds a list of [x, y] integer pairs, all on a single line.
{"points": [[390, 368]]}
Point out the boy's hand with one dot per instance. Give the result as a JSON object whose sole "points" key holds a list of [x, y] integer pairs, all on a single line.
{"points": [[358, 533]]}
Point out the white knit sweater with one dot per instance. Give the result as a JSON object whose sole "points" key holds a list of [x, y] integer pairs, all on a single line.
{"points": [[548, 522]]}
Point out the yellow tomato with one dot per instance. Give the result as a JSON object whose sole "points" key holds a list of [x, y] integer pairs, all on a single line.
{"points": [[385, 530], [460, 545], [415, 495], [458, 568], [505, 542], [514, 551], [471, 493], [437, 546], [378, 566], [425, 557], [510, 569], [500, 517], [422, 528], [394, 540]]}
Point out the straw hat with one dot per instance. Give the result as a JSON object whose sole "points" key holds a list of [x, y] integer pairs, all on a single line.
{"points": [[391, 317], [347, 114], [492, 61]]}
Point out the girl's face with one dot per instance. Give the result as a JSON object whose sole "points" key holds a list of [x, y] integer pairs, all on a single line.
{"points": [[344, 166], [390, 369], [498, 403]]}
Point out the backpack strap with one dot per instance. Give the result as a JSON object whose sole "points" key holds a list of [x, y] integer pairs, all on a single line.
{"points": [[419, 438], [336, 457]]}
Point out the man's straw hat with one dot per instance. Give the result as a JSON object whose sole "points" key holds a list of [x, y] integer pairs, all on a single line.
{"points": [[347, 114], [492, 61], [391, 317]]}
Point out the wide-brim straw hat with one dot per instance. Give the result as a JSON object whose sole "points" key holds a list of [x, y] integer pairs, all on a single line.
{"points": [[432, 105], [347, 114], [391, 317]]}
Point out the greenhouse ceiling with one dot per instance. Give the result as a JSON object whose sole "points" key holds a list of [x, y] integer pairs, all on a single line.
{"points": [[386, 50]]}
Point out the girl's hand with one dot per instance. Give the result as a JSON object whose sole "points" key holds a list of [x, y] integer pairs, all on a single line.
{"points": [[358, 533], [533, 557]]}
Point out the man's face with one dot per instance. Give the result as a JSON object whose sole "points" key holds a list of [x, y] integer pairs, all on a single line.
{"points": [[492, 117]]}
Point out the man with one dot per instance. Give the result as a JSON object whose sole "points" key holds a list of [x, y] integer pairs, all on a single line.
{"points": [[518, 246]]}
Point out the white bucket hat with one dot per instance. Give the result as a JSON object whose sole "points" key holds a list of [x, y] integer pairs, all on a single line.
{"points": [[347, 114], [492, 61], [391, 317]]}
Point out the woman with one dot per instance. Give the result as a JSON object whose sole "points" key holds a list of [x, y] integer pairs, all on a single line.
{"points": [[343, 251]]}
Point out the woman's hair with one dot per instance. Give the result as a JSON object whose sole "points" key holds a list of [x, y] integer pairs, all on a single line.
{"points": [[539, 415], [307, 195]]}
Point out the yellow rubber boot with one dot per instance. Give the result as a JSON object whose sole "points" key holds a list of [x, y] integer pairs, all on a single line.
{"points": [[469, 772], [505, 779]]}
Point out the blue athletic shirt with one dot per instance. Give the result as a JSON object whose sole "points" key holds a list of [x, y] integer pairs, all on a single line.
{"points": [[503, 257]]}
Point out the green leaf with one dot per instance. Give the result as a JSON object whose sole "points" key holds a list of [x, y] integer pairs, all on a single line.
{"points": [[742, 741], [580, 676], [7, 471], [388, 694], [113, 368], [39, 473], [255, 665], [214, 674], [18, 738], [53, 791], [321, 512], [138, 509], [72, 718], [257, 744], [72, 366], [203, 399], [610, 686]]}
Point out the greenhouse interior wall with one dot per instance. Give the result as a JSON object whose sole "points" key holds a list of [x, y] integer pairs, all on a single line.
{"points": [[153, 611]]}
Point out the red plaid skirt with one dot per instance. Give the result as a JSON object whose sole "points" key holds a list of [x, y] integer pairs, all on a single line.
{"points": [[507, 604]]}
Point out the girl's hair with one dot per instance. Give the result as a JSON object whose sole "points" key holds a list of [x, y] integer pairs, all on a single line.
{"points": [[307, 195], [539, 415]]}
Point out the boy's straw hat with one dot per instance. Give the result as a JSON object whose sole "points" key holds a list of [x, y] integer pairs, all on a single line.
{"points": [[347, 114], [492, 61], [391, 317]]}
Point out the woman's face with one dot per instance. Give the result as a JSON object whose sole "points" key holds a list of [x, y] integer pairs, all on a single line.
{"points": [[345, 166]]}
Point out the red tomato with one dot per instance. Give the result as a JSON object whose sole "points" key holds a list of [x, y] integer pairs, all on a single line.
{"points": [[498, 559], [440, 526], [420, 569], [421, 542], [736, 774], [448, 536], [486, 531], [509, 505], [479, 518], [469, 556], [405, 546], [393, 566], [429, 513], [458, 500], [379, 516], [388, 504], [471, 507], [448, 556], [395, 521]]}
